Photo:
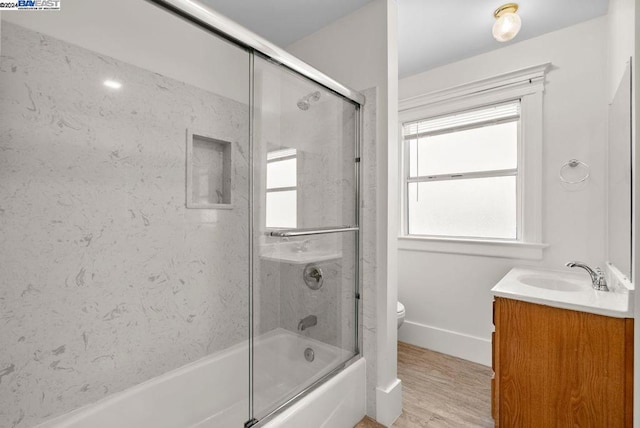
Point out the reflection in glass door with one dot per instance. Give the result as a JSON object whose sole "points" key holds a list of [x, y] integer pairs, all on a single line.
{"points": [[305, 235]]}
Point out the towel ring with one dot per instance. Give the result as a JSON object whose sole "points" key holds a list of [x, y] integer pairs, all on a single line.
{"points": [[573, 163]]}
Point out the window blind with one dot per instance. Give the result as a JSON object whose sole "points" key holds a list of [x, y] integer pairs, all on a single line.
{"points": [[466, 119], [281, 154]]}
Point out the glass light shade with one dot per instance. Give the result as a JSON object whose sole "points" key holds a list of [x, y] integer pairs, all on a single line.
{"points": [[506, 27]]}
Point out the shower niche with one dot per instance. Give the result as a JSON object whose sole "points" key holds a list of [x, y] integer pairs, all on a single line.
{"points": [[208, 172]]}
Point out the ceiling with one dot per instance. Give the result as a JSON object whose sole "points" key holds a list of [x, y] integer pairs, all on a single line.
{"points": [[430, 32], [285, 21], [438, 32]]}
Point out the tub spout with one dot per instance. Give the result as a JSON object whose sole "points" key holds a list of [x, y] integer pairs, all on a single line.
{"points": [[306, 322]]}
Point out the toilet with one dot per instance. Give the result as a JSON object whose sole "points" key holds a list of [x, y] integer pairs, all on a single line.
{"points": [[400, 314]]}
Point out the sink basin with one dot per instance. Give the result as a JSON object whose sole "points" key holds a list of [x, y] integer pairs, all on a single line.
{"points": [[563, 289], [550, 283]]}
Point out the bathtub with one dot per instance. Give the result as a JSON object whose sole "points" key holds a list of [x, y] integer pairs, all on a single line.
{"points": [[213, 391]]}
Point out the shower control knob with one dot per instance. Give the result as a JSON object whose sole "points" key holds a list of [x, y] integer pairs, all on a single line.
{"points": [[312, 276]]}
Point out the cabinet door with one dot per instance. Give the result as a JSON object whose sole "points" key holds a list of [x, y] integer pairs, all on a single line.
{"points": [[561, 368]]}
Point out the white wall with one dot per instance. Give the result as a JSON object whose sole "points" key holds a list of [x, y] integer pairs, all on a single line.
{"points": [[360, 50], [621, 41], [142, 34], [447, 296]]}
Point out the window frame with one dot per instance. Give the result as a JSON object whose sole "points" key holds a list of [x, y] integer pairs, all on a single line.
{"points": [[508, 172], [527, 85]]}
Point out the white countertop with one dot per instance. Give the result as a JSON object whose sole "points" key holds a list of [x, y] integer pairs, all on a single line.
{"points": [[563, 289]]}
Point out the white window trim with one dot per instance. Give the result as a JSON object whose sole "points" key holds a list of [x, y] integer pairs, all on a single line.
{"points": [[527, 85]]}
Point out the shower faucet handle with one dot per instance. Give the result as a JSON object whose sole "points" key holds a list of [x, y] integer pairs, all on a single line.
{"points": [[313, 276]]}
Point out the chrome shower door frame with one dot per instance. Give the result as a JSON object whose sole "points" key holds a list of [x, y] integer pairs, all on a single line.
{"points": [[205, 17]]}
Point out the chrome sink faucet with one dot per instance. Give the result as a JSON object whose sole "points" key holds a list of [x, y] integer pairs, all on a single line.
{"points": [[597, 276]]}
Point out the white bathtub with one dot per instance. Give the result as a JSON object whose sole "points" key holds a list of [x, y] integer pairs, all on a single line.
{"points": [[213, 391]]}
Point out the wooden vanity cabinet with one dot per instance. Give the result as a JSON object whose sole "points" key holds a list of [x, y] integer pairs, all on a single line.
{"points": [[560, 368]]}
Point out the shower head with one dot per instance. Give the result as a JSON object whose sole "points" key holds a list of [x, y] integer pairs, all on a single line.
{"points": [[305, 102]]}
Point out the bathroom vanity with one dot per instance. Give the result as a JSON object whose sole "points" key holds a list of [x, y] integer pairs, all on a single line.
{"points": [[562, 352]]}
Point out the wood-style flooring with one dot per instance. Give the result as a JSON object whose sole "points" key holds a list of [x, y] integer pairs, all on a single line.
{"points": [[440, 391]]}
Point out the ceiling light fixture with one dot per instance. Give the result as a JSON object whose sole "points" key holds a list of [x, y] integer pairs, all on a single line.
{"points": [[507, 23], [112, 84]]}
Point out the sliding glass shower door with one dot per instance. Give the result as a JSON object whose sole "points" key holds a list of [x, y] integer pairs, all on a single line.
{"points": [[305, 235]]}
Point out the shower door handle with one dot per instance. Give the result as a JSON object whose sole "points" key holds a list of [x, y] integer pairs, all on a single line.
{"points": [[288, 233]]}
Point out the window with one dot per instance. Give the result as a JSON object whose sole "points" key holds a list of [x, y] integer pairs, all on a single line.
{"points": [[281, 192], [463, 172], [472, 167]]}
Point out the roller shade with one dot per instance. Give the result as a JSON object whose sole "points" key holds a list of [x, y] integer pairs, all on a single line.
{"points": [[463, 120]]}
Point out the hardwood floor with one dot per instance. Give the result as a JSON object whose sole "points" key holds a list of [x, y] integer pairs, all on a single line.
{"points": [[367, 422], [440, 391]]}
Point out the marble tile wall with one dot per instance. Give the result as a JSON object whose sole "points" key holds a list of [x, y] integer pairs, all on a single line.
{"points": [[325, 134], [333, 304], [369, 254], [107, 279], [266, 295]]}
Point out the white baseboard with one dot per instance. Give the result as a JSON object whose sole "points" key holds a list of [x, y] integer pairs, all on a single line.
{"points": [[459, 345], [389, 403]]}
